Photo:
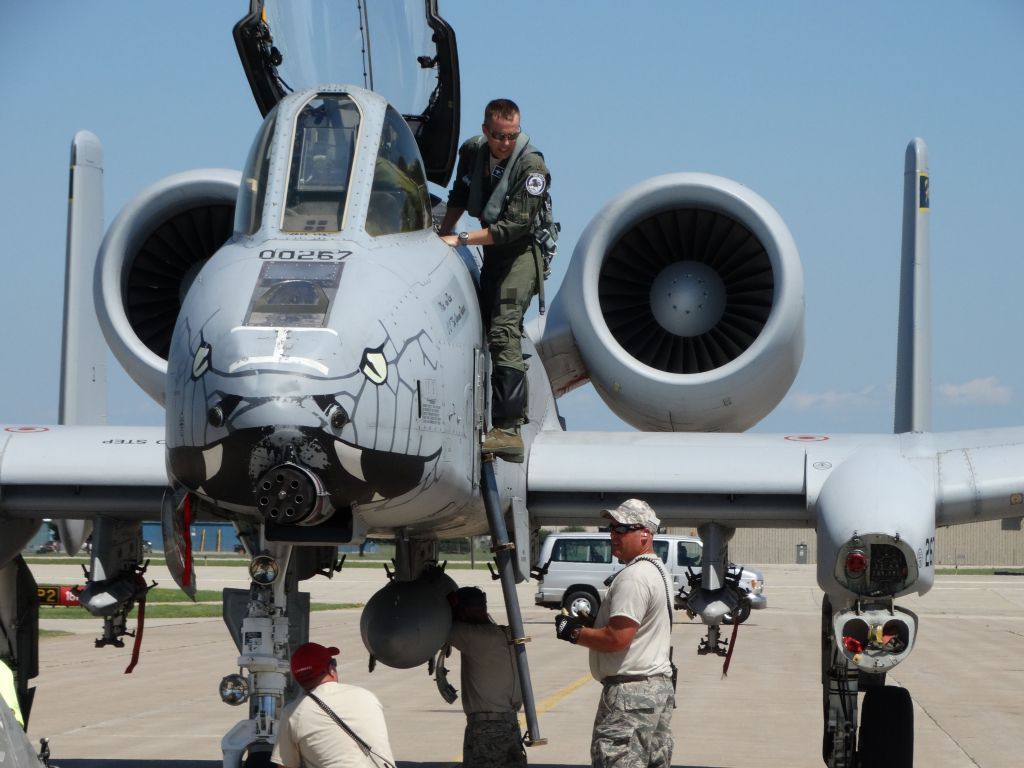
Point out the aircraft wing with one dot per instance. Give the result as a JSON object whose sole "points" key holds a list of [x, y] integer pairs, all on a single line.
{"points": [[979, 474], [763, 479], [682, 475], [80, 471]]}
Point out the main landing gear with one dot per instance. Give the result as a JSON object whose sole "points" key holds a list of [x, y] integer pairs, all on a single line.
{"points": [[886, 735]]}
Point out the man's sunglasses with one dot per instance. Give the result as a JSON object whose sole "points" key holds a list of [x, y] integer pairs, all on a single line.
{"points": [[623, 528], [503, 136]]}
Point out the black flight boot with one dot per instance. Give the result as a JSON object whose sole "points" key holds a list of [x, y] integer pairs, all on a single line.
{"points": [[508, 404]]}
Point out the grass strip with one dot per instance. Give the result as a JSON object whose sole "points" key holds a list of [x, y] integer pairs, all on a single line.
{"points": [[173, 610], [175, 595]]}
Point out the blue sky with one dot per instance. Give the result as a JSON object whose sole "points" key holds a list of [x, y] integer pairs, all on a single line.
{"points": [[810, 104]]}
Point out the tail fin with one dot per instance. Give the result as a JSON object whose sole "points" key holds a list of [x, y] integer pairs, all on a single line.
{"points": [[914, 347], [83, 363], [83, 369]]}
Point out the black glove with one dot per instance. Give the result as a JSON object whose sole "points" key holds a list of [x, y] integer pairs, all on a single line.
{"points": [[567, 627]]}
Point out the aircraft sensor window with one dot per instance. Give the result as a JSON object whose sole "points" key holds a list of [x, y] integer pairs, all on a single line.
{"points": [[888, 570], [399, 201], [253, 192], [322, 151], [293, 295]]}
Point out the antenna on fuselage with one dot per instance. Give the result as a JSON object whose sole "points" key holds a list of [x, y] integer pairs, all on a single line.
{"points": [[914, 344]]}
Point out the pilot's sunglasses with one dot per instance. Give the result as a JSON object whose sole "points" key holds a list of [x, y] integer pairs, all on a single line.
{"points": [[503, 136], [623, 528]]}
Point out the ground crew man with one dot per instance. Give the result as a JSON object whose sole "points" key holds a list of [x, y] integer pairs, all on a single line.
{"points": [[491, 697], [332, 725], [502, 181], [630, 647]]}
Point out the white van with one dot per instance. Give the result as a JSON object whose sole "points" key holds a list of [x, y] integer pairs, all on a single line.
{"points": [[573, 567]]}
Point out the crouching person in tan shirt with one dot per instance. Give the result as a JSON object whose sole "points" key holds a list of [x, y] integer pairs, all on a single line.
{"points": [[332, 725]]}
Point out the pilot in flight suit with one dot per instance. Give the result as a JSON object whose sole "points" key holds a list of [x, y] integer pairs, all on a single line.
{"points": [[503, 181]]}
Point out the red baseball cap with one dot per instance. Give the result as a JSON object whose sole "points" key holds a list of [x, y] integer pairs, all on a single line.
{"points": [[310, 661]]}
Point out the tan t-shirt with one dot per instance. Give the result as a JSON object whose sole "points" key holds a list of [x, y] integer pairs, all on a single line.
{"points": [[308, 735], [639, 592], [489, 679]]}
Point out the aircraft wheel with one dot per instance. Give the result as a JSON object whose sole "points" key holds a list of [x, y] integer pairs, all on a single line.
{"points": [[580, 602], [741, 614], [827, 746], [887, 728]]}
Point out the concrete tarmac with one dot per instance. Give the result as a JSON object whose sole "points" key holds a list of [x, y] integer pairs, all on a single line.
{"points": [[966, 678]]}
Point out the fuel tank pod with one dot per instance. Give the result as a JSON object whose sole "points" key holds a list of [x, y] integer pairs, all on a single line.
{"points": [[406, 622]]}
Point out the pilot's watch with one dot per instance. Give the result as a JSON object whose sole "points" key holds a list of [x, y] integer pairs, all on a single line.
{"points": [[463, 238]]}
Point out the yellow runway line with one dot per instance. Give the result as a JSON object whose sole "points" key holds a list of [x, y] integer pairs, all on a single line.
{"points": [[551, 701]]}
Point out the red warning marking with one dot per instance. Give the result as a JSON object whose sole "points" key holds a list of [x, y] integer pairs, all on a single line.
{"points": [[23, 430], [806, 438]]}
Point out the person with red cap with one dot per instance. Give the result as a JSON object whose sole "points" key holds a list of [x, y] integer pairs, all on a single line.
{"points": [[333, 725]]}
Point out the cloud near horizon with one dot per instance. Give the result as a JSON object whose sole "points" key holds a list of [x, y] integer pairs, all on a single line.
{"points": [[832, 400], [983, 391], [987, 391]]}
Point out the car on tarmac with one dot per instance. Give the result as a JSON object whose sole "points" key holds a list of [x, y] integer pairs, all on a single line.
{"points": [[574, 569]]}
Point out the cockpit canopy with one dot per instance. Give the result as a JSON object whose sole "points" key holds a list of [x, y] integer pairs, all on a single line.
{"points": [[325, 129], [400, 49]]}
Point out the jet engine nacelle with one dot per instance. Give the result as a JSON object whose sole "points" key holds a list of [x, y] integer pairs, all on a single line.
{"points": [[685, 301], [148, 259]]}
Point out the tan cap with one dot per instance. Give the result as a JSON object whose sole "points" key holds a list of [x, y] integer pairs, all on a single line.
{"points": [[634, 512]]}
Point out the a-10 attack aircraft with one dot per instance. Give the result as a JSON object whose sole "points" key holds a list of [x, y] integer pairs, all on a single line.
{"points": [[320, 356]]}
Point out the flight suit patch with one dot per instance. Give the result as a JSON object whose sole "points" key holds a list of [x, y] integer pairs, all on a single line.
{"points": [[535, 184]]}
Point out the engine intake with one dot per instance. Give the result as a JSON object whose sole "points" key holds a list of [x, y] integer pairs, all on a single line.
{"points": [[148, 259], [685, 304], [686, 290]]}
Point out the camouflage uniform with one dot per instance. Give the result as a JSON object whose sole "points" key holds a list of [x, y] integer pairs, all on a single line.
{"points": [[512, 266], [494, 742], [633, 726], [491, 696]]}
